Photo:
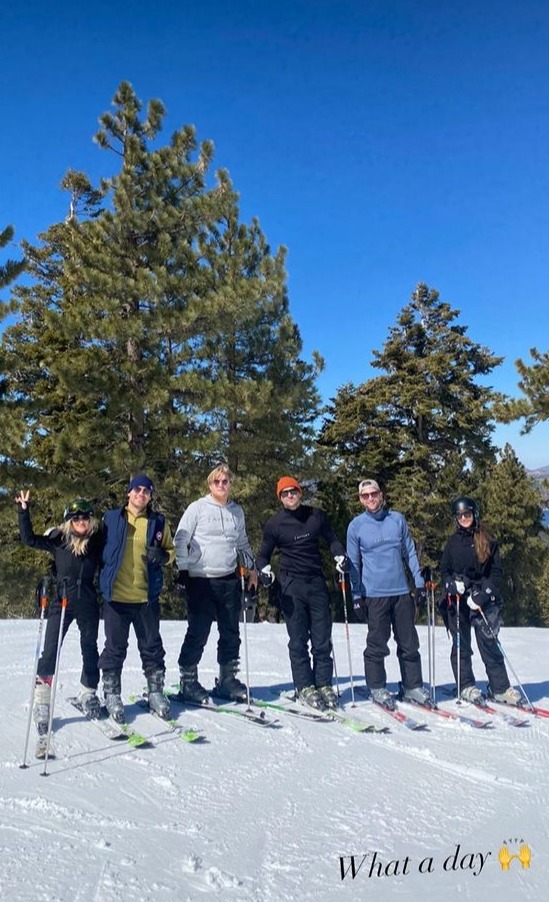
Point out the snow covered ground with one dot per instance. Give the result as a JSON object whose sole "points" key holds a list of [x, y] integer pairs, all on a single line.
{"points": [[303, 813]]}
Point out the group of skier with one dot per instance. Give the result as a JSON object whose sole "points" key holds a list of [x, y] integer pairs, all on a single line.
{"points": [[125, 554]]}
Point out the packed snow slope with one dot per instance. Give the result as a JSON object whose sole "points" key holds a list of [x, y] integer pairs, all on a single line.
{"points": [[306, 812]]}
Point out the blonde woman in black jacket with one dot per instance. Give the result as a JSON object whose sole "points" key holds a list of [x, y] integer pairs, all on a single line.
{"points": [[75, 546]]}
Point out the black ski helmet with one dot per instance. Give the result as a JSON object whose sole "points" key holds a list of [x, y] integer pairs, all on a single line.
{"points": [[460, 505]]}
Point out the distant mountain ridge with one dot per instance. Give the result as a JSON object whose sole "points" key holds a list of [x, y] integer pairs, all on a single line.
{"points": [[539, 473]]}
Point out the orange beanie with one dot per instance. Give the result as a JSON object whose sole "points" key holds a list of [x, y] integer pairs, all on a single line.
{"points": [[287, 482]]}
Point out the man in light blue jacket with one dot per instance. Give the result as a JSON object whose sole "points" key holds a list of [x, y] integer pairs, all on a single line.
{"points": [[209, 541], [379, 545]]}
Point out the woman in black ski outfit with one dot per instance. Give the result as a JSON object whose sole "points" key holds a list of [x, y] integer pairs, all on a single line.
{"points": [[471, 572], [76, 547]]}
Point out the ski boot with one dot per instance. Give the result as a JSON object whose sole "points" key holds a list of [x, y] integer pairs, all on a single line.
{"points": [[473, 695], [311, 697], [418, 696], [511, 696], [112, 687], [227, 685], [328, 696], [156, 698], [41, 713], [190, 689], [381, 696], [90, 703]]}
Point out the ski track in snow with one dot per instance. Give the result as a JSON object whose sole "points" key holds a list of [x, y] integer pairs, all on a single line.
{"points": [[264, 815]]}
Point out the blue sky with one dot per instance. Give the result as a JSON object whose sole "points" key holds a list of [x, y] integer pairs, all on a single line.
{"points": [[384, 142]]}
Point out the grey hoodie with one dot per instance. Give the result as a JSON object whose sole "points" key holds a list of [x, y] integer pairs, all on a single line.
{"points": [[208, 538]]}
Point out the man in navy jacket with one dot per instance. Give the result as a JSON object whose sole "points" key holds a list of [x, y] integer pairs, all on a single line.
{"points": [[137, 543]]}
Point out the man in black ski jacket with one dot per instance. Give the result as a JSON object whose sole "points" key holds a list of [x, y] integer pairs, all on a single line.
{"points": [[296, 532]]}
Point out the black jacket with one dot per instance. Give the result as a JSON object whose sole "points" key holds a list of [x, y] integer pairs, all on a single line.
{"points": [[459, 559], [78, 570], [296, 534]]}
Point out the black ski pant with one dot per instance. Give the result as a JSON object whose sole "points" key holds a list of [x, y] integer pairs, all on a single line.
{"points": [[490, 653], [86, 613], [209, 600], [396, 612], [145, 619], [305, 604]]}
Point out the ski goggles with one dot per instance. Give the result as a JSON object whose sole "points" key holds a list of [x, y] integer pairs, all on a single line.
{"points": [[78, 510]]}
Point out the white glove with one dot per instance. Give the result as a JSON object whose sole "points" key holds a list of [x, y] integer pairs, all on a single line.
{"points": [[342, 563], [471, 604], [266, 576], [460, 586]]}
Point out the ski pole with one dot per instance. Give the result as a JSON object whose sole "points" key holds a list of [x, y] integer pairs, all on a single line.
{"points": [[344, 594], [338, 693], [242, 574], [458, 650], [64, 603], [502, 650], [430, 587], [43, 608]]}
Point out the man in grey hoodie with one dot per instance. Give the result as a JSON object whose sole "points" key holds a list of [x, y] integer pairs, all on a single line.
{"points": [[209, 540]]}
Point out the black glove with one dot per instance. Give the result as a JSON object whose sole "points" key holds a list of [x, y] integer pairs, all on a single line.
{"points": [[249, 599], [490, 624], [420, 597], [360, 607], [454, 586], [488, 588], [45, 588], [156, 555], [182, 583], [342, 562], [266, 576]]}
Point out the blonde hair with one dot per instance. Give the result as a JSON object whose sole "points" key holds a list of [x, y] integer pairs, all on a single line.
{"points": [[77, 545], [221, 470]]}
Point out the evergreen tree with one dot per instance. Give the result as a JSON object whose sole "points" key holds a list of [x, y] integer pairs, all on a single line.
{"points": [[9, 272], [423, 426], [11, 269], [513, 514], [534, 384], [155, 335]]}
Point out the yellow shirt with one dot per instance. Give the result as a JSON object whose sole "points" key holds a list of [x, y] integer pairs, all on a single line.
{"points": [[131, 584]]}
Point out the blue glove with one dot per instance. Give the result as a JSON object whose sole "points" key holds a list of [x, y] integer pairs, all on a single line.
{"points": [[360, 607]]}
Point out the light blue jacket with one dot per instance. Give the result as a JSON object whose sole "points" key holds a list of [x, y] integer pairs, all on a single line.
{"points": [[378, 546]]}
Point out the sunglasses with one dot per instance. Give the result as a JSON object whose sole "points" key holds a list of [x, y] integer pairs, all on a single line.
{"points": [[221, 481], [369, 494], [141, 490], [80, 517], [287, 493], [465, 515]]}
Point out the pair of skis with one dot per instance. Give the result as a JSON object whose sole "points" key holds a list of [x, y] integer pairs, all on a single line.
{"points": [[113, 730], [293, 709]]}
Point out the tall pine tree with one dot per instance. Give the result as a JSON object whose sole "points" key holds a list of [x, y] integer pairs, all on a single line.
{"points": [[513, 513], [422, 425], [155, 334]]}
